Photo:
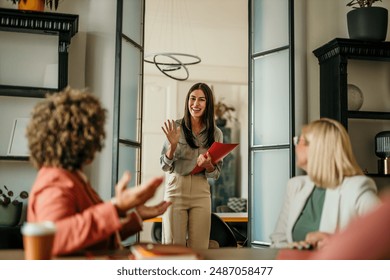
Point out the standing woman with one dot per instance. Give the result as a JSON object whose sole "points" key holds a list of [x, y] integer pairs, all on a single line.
{"points": [[188, 220]]}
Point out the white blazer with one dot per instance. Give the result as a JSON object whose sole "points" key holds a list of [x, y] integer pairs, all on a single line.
{"points": [[354, 197]]}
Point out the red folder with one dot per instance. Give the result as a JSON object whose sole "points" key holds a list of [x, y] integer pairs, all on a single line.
{"points": [[217, 152]]}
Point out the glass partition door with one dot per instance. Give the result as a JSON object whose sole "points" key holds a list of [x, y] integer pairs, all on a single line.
{"points": [[271, 113], [128, 92]]}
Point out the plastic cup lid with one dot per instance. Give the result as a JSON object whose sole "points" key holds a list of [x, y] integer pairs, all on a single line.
{"points": [[40, 228]]}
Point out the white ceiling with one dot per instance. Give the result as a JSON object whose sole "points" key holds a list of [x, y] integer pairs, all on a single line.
{"points": [[215, 30]]}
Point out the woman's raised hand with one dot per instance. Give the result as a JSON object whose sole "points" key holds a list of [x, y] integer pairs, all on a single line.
{"points": [[172, 132]]}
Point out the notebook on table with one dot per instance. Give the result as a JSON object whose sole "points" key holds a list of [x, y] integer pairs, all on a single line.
{"points": [[152, 251]]}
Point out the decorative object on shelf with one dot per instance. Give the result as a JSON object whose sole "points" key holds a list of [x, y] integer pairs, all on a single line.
{"points": [[6, 196], [355, 98], [36, 5], [334, 58], [10, 215], [18, 144], [382, 150], [223, 113], [366, 22], [174, 38], [10, 206]]}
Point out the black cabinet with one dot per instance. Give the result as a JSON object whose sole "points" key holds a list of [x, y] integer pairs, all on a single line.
{"points": [[64, 26], [334, 59]]}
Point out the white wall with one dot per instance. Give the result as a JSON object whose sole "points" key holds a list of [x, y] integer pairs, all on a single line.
{"points": [[97, 23]]}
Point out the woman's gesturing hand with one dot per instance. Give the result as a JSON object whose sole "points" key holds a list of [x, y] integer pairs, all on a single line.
{"points": [[148, 212], [172, 132], [128, 198]]}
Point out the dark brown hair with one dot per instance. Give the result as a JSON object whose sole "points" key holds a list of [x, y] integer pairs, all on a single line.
{"points": [[66, 129], [207, 117]]}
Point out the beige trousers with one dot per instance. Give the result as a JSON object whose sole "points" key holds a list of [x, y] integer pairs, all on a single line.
{"points": [[188, 220]]}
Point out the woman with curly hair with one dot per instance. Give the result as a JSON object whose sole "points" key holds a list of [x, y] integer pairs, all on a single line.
{"points": [[65, 131]]}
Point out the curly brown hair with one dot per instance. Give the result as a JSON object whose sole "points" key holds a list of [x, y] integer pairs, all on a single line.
{"points": [[66, 129]]}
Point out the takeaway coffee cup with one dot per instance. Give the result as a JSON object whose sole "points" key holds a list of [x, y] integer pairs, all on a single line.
{"points": [[38, 240]]}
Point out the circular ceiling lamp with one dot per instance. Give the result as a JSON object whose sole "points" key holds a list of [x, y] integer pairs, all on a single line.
{"points": [[169, 41], [172, 65]]}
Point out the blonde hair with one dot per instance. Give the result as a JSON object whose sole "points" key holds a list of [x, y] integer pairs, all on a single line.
{"points": [[330, 157], [66, 130]]}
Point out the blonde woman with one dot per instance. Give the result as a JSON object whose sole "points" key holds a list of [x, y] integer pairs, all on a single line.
{"points": [[333, 192]]}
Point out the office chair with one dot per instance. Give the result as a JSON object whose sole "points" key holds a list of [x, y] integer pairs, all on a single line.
{"points": [[221, 232], [157, 232], [239, 229]]}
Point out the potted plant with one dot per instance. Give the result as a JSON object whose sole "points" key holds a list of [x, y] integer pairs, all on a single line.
{"points": [[36, 5], [223, 113], [366, 22], [10, 206]]}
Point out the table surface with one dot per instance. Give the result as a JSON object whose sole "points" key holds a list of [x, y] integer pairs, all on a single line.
{"points": [[210, 254], [234, 217]]}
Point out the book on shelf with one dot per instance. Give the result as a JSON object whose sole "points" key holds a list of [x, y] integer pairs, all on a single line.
{"points": [[152, 251], [217, 152]]}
